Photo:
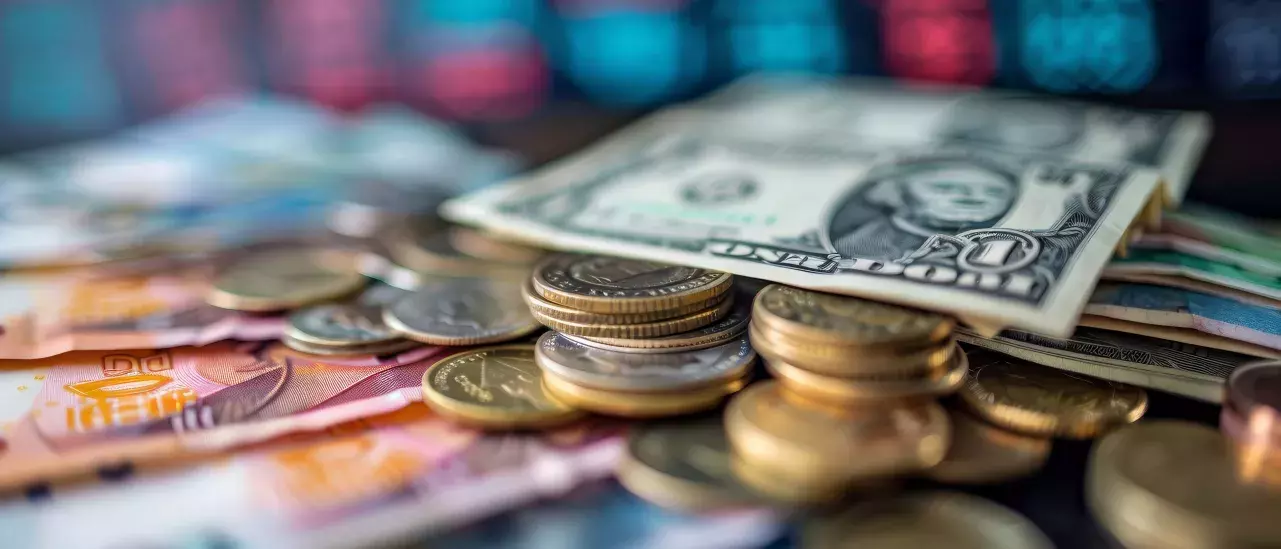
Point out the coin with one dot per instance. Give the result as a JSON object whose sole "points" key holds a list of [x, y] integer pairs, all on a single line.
{"points": [[1041, 401], [603, 284], [494, 387], [1172, 484], [939, 519], [657, 328], [565, 313], [847, 361], [376, 349], [285, 279], [983, 454], [462, 311], [729, 327], [1257, 439], [786, 485], [484, 246], [682, 464], [1254, 385], [640, 405], [639, 372], [855, 391], [826, 318], [766, 428], [338, 324], [422, 244]]}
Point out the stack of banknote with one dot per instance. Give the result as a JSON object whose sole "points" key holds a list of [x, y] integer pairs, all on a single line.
{"points": [[380, 371]]}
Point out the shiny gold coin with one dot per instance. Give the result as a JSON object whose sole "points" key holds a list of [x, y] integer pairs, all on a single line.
{"points": [[378, 349], [827, 318], [640, 405], [856, 391], [729, 327], [848, 361], [657, 328], [494, 388], [485, 246], [1041, 401], [1172, 484], [570, 314], [285, 279], [765, 428], [682, 464], [602, 284], [983, 454], [939, 519]]}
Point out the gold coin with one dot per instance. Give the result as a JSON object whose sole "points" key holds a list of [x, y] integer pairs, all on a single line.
{"points": [[570, 314], [939, 519], [729, 327], [983, 454], [848, 361], [1041, 401], [1172, 484], [640, 405], [767, 429], [494, 388], [376, 349], [785, 485], [285, 279], [657, 328], [827, 318], [682, 464], [856, 391], [602, 284], [485, 246]]}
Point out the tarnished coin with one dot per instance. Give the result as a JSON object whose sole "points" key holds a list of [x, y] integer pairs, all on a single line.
{"points": [[422, 244], [856, 391], [682, 464], [639, 372], [603, 284], [377, 349], [285, 279], [462, 311], [983, 454], [640, 405], [1172, 484], [484, 246], [729, 327], [569, 314], [847, 361], [940, 519], [768, 429], [658, 328], [1041, 401], [494, 387], [338, 324], [828, 318]]}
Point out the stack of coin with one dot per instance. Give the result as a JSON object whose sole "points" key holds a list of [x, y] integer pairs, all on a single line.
{"points": [[1251, 418], [637, 338]]}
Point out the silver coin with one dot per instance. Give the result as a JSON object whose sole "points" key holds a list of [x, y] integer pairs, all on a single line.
{"points": [[340, 324], [731, 326], [377, 349], [462, 311], [642, 372]]}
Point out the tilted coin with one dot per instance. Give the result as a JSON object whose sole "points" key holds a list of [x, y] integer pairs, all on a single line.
{"points": [[731, 326], [1173, 484], [422, 244], [641, 405], [766, 428], [639, 372], [566, 313], [378, 349], [786, 485], [285, 279], [613, 285], [682, 464], [658, 328], [462, 311], [855, 391], [484, 246], [494, 387], [847, 361], [1254, 385], [828, 318], [337, 324], [1041, 401], [982, 454], [939, 519]]}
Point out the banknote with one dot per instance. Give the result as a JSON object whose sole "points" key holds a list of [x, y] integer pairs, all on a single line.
{"points": [[1226, 229], [1182, 335], [1170, 366], [368, 482], [997, 240], [867, 110], [1208, 251], [1172, 268], [1179, 308]]}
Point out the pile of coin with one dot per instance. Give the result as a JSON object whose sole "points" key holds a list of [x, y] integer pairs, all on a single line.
{"points": [[1251, 418], [638, 338]]}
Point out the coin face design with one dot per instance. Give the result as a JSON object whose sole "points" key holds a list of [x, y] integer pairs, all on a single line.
{"points": [[495, 384], [611, 370], [590, 281], [340, 324], [285, 279], [848, 320], [462, 311]]}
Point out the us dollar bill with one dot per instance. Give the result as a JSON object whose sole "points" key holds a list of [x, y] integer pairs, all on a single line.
{"points": [[925, 115], [996, 239]]}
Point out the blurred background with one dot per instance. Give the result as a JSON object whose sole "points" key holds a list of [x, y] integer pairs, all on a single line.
{"points": [[544, 77]]}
